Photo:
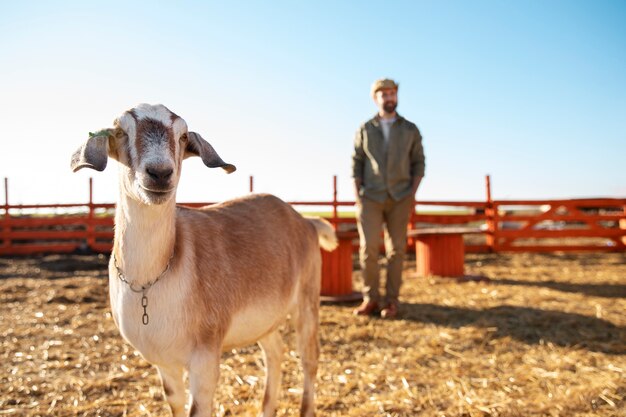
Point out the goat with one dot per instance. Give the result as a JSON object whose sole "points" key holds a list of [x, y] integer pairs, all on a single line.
{"points": [[186, 284]]}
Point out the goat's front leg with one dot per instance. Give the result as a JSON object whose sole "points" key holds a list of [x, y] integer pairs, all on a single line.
{"points": [[174, 388], [204, 372]]}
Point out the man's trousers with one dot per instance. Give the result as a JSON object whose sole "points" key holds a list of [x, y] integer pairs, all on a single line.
{"points": [[372, 216]]}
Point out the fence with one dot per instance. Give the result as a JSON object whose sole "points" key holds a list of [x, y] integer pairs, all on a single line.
{"points": [[507, 225]]}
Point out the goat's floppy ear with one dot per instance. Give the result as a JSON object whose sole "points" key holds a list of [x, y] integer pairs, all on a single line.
{"points": [[93, 153], [200, 147]]}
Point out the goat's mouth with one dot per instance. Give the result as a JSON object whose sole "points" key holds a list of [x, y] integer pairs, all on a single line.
{"points": [[156, 195]]}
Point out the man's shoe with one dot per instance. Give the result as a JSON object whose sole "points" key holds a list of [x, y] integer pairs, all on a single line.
{"points": [[390, 311], [366, 308]]}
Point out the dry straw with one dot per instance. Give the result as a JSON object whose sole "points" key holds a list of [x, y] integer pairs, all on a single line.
{"points": [[545, 337]]}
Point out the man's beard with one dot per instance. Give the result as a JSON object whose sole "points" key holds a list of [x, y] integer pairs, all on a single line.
{"points": [[390, 106]]}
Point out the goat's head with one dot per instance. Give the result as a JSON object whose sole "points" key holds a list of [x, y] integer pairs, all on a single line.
{"points": [[150, 143]]}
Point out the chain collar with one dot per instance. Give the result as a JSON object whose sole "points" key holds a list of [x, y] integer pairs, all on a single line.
{"points": [[145, 319]]}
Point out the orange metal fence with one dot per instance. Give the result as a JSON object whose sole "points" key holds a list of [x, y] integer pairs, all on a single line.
{"points": [[507, 225], [583, 224]]}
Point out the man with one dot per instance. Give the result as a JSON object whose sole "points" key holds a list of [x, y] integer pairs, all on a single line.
{"points": [[387, 166]]}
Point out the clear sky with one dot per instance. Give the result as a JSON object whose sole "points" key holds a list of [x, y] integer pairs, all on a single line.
{"points": [[531, 92]]}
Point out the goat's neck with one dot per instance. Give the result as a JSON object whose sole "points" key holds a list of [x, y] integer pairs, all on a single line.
{"points": [[144, 239]]}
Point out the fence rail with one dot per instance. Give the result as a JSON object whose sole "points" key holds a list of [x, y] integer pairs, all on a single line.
{"points": [[597, 224]]}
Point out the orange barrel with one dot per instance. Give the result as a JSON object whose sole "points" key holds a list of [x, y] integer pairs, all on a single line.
{"points": [[337, 271], [441, 254]]}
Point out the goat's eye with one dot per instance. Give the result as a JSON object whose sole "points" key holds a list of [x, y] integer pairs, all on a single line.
{"points": [[183, 137]]}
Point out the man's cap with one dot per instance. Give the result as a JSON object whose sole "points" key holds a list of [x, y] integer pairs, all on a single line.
{"points": [[382, 84]]}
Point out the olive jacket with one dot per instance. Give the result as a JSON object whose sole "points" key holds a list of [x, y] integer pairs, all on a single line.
{"points": [[387, 169]]}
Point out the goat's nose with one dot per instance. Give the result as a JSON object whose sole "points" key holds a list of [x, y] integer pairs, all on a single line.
{"points": [[159, 173]]}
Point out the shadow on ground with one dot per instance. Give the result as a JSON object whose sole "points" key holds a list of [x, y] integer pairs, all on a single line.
{"points": [[595, 290], [528, 325], [54, 266]]}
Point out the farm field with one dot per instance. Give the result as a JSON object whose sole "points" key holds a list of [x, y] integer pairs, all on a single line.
{"points": [[543, 335]]}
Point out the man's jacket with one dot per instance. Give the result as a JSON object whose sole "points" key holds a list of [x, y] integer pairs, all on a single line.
{"points": [[387, 169]]}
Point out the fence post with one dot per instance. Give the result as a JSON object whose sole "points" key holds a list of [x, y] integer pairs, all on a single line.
{"points": [[335, 213], [622, 225], [491, 216], [251, 184], [6, 226], [91, 230]]}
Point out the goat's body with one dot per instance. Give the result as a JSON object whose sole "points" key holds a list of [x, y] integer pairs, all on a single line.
{"points": [[220, 251]]}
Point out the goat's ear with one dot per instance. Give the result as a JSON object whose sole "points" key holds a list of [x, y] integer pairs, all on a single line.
{"points": [[93, 153], [196, 146]]}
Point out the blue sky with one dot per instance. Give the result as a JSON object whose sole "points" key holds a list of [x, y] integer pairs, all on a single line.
{"points": [[531, 92]]}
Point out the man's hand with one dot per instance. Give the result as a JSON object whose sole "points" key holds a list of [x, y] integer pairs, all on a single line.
{"points": [[357, 188], [416, 184]]}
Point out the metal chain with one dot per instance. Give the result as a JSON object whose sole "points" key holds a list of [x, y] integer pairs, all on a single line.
{"points": [[145, 319], [144, 303]]}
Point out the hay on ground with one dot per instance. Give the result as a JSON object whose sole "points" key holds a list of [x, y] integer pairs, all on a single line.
{"points": [[546, 336]]}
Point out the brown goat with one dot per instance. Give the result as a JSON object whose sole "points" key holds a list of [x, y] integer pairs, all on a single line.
{"points": [[186, 284]]}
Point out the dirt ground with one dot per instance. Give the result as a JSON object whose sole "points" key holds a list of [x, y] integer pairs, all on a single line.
{"points": [[545, 335]]}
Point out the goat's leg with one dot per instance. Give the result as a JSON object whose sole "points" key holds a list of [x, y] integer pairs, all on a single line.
{"points": [[174, 388], [307, 319], [204, 372], [272, 346]]}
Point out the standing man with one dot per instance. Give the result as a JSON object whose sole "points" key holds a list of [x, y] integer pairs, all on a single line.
{"points": [[387, 166]]}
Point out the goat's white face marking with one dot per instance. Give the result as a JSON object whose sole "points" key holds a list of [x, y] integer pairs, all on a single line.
{"points": [[155, 152]]}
